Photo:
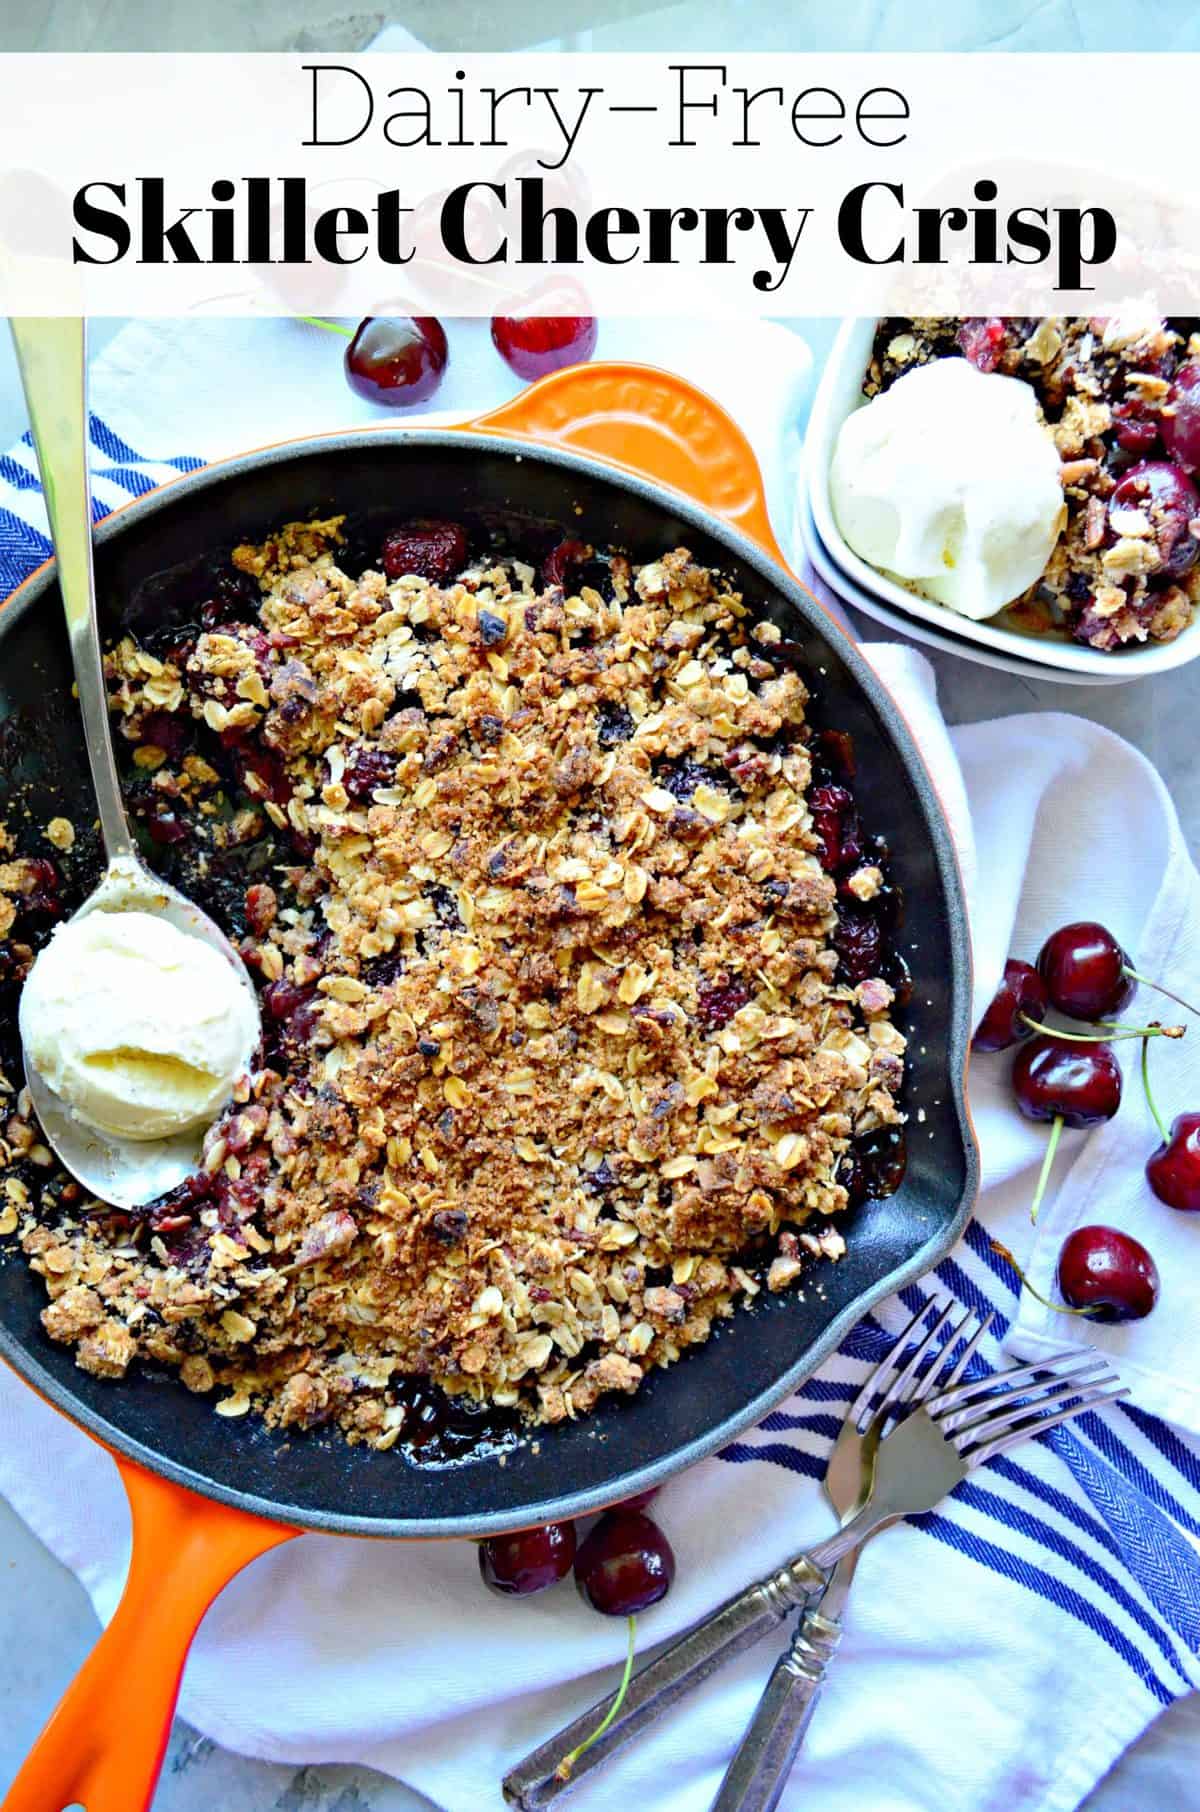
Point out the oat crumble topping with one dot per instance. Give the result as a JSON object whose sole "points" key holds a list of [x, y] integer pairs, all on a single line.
{"points": [[561, 1056]]}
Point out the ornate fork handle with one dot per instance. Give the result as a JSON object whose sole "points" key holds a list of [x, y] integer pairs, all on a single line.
{"points": [[757, 1775], [736, 1626]]}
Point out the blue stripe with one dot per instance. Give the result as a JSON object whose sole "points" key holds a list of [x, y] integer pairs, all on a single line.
{"points": [[1034, 1579], [17, 475], [21, 549], [1022, 1523], [1185, 1460], [777, 1423], [113, 447], [986, 1554], [977, 1239], [128, 479], [1126, 1463], [1147, 1544], [1101, 1433]]}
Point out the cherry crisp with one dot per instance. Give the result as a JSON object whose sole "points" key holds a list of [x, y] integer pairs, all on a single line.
{"points": [[575, 983]]}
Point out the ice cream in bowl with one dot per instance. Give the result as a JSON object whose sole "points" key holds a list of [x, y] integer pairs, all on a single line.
{"points": [[138, 1020], [951, 482]]}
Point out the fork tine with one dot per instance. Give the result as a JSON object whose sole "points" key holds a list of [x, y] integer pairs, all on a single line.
{"points": [[982, 1422], [1002, 1394], [964, 1358], [885, 1367], [960, 1396], [977, 1456], [898, 1393]]}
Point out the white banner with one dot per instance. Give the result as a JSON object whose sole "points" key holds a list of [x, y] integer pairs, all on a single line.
{"points": [[634, 184]]}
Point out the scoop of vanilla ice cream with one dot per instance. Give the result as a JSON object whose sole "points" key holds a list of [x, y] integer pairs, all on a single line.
{"points": [[950, 478], [138, 1027]]}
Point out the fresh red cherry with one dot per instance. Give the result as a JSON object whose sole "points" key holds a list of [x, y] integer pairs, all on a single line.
{"points": [[1086, 972], [1108, 1273], [639, 1500], [1181, 417], [397, 359], [529, 1561], [1021, 996], [534, 345], [624, 1564], [1174, 1170], [1079, 1084], [1168, 497]]}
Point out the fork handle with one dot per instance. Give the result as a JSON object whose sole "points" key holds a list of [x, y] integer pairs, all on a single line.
{"points": [[736, 1626], [763, 1760]]}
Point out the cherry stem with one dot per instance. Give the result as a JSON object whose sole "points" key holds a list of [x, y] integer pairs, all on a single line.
{"points": [[1059, 1308], [329, 326], [563, 1771], [1047, 1162], [1150, 1101], [1113, 1031], [1159, 989]]}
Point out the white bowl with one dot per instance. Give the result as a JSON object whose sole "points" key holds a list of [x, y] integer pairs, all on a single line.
{"points": [[848, 591], [838, 395]]}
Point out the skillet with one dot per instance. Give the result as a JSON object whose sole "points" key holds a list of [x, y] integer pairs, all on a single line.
{"points": [[587, 450]]}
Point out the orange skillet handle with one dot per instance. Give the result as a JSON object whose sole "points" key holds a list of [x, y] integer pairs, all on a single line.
{"points": [[653, 423], [103, 1747]]}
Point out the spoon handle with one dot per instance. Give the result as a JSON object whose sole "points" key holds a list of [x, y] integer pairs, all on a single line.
{"points": [[51, 355]]}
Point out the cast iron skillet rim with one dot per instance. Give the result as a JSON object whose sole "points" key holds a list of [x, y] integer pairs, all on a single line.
{"points": [[25, 1362]]}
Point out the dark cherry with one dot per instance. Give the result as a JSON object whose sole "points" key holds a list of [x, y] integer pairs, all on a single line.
{"points": [[167, 731], [432, 550], [1086, 971], [1181, 418], [534, 345], [624, 1564], [162, 822], [1170, 499], [397, 359], [560, 560], [1136, 428], [858, 940], [716, 1006], [1022, 991], [366, 769], [1079, 1084], [1108, 1272], [1174, 1169], [984, 340], [639, 1500], [836, 822], [529, 1561]]}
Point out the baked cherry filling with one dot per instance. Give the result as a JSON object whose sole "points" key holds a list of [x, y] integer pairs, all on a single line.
{"points": [[578, 965]]}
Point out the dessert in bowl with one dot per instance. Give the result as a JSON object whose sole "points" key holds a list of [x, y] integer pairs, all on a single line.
{"points": [[1114, 588]]}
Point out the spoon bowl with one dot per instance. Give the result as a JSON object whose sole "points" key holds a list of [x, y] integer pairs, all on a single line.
{"points": [[126, 1173]]}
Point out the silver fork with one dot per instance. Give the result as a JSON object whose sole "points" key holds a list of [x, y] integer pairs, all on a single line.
{"points": [[766, 1754], [919, 1455]]}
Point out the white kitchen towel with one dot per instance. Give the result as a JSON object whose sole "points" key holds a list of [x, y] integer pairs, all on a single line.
{"points": [[1000, 1652]]}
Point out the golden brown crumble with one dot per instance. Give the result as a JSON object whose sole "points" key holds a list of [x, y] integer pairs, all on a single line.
{"points": [[555, 1031]]}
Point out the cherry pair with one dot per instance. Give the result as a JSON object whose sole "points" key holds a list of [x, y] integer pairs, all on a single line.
{"points": [[399, 360], [622, 1566]]}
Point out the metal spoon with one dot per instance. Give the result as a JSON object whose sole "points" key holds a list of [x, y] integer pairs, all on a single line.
{"points": [[51, 355]]}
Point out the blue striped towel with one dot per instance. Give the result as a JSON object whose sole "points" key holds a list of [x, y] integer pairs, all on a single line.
{"points": [[1000, 1652]]}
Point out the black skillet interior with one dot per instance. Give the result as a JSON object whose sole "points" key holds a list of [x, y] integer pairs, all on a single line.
{"points": [[754, 1359]]}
